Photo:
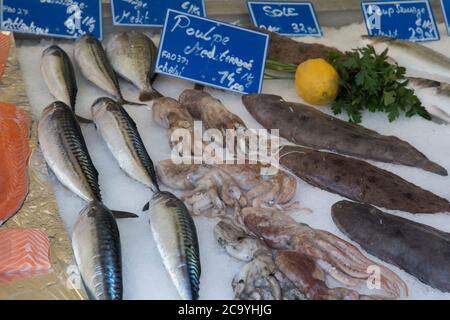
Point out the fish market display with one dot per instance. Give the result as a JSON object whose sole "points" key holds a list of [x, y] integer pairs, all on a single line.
{"points": [[23, 253], [96, 245], [359, 181], [326, 255], [269, 254], [95, 66], [309, 127], [132, 55], [170, 114], [419, 249], [287, 50], [14, 153], [121, 135], [176, 238], [213, 188], [419, 61], [65, 151]]}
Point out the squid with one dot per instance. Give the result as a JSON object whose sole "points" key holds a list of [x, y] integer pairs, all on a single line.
{"points": [[306, 256], [211, 189]]}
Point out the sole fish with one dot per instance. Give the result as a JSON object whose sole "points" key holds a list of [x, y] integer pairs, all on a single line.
{"points": [[14, 153], [121, 135], [176, 237], [359, 181], [419, 61], [311, 128], [23, 253], [95, 66], [420, 250], [133, 56], [96, 246], [287, 50]]}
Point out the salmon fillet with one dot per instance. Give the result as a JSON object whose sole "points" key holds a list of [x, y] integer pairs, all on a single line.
{"points": [[14, 154], [23, 252], [5, 43]]}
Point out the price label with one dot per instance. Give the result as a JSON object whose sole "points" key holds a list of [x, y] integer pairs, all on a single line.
{"points": [[151, 13], [294, 19], [407, 20], [57, 18], [212, 53]]}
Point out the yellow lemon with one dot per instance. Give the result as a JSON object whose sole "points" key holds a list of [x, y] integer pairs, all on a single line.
{"points": [[317, 82]]}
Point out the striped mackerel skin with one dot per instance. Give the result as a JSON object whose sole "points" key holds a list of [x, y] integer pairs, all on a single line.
{"points": [[59, 75], [96, 245], [65, 151], [95, 66], [120, 133], [176, 238]]}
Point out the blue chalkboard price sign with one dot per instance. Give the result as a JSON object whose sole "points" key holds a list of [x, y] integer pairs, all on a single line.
{"points": [[212, 53], [58, 18], [446, 13], [407, 20], [294, 19], [151, 13]]}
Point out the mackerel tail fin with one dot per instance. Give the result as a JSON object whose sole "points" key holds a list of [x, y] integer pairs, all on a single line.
{"points": [[123, 214], [200, 87], [149, 95], [83, 120], [122, 101], [155, 189]]}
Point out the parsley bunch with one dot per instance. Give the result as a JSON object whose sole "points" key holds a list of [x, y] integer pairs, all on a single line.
{"points": [[368, 80]]}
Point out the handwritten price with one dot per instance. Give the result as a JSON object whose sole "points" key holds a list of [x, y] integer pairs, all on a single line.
{"points": [[229, 79]]}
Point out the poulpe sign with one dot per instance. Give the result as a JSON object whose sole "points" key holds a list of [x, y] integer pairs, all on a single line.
{"points": [[58, 18], [212, 53]]}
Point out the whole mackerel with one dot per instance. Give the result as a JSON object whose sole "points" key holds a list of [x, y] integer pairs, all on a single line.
{"points": [[132, 55], [97, 250], [66, 154], [121, 135], [95, 66], [58, 73], [176, 237], [309, 127], [419, 60], [65, 151]]}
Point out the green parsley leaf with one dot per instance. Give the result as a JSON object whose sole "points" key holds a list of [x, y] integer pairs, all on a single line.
{"points": [[369, 81]]}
